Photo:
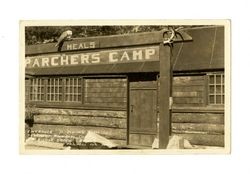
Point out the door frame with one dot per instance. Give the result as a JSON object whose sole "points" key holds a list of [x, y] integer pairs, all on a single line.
{"points": [[156, 106]]}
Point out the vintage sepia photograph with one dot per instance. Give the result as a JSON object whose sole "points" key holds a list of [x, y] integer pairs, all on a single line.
{"points": [[137, 87]]}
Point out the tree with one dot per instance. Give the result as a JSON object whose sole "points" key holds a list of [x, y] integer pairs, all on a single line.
{"points": [[45, 34]]}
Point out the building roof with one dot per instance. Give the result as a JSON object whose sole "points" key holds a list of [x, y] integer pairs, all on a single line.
{"points": [[204, 52]]}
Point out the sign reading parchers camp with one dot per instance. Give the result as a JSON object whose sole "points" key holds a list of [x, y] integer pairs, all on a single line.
{"points": [[115, 56]]}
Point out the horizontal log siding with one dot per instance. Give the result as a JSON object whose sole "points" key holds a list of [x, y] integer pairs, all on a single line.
{"points": [[205, 129], [67, 125], [200, 128]]}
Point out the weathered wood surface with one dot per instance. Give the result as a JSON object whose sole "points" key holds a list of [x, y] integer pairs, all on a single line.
{"points": [[197, 109], [143, 84], [106, 89], [204, 139], [112, 133], [106, 94], [198, 118], [197, 128], [187, 94], [105, 100], [109, 83], [164, 94], [112, 105], [188, 80], [80, 121], [103, 79], [74, 112], [188, 100], [188, 90]]}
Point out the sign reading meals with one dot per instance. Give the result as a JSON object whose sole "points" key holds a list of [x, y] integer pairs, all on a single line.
{"points": [[96, 57]]}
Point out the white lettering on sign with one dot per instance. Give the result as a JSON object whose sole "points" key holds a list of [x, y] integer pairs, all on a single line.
{"points": [[111, 57], [45, 62], [128, 55], [96, 58], [125, 56], [137, 55], [80, 46], [73, 60], [53, 62], [36, 63], [64, 60], [84, 58], [27, 62], [149, 53]]}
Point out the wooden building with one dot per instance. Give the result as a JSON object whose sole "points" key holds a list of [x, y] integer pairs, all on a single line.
{"points": [[112, 85]]}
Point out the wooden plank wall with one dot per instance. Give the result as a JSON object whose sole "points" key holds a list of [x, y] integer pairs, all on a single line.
{"points": [[106, 92], [199, 127], [189, 91], [67, 125]]}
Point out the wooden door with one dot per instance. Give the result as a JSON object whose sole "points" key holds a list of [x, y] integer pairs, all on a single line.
{"points": [[142, 113]]}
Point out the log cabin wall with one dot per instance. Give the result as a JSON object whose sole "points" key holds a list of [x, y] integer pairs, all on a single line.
{"points": [[192, 116], [108, 118], [69, 125]]}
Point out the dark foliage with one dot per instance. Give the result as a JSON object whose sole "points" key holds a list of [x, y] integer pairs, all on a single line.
{"points": [[46, 34]]}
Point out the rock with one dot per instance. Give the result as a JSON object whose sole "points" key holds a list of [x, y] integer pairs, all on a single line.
{"points": [[187, 144], [177, 142], [155, 144], [92, 137]]}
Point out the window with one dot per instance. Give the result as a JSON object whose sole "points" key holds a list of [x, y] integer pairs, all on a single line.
{"points": [[73, 90], [37, 90], [216, 89], [54, 90]]}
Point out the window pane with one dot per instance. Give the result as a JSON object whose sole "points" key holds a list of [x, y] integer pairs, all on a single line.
{"points": [[218, 99], [211, 91], [211, 79], [218, 79], [218, 90], [211, 99]]}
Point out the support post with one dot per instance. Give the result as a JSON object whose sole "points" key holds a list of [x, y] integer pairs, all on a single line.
{"points": [[164, 95]]}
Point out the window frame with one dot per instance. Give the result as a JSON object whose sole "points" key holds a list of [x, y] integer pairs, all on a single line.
{"points": [[215, 84]]}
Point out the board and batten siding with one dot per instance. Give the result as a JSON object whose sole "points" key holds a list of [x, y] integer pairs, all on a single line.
{"points": [[191, 117]]}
